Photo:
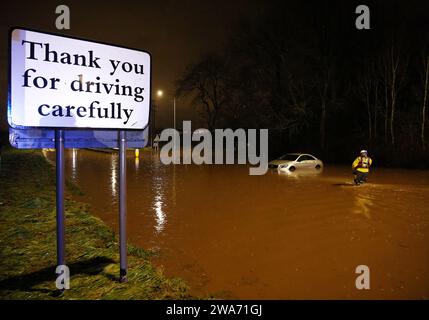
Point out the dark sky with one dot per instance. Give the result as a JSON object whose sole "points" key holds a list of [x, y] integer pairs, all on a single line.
{"points": [[174, 32]]}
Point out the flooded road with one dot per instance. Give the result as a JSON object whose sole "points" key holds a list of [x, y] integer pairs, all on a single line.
{"points": [[275, 236]]}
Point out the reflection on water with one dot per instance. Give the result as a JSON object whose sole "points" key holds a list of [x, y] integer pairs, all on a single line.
{"points": [[299, 173], [158, 202], [275, 236], [114, 175], [363, 201], [74, 164], [159, 185], [137, 164], [174, 185]]}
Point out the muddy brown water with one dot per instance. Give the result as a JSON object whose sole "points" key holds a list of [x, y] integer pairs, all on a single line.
{"points": [[275, 236]]}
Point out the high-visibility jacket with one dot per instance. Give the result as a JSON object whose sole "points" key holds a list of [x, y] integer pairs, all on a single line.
{"points": [[362, 164]]}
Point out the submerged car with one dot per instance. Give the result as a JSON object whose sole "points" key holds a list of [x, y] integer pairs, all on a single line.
{"points": [[293, 161]]}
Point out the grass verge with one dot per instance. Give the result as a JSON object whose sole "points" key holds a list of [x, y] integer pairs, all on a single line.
{"points": [[28, 243]]}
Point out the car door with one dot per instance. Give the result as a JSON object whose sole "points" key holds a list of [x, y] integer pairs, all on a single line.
{"points": [[306, 162], [300, 162]]}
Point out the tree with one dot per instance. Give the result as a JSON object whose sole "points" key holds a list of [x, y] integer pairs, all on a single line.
{"points": [[425, 69], [367, 91], [206, 81], [366, 86], [394, 64]]}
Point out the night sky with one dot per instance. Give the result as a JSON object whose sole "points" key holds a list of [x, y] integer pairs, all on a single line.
{"points": [[174, 32], [299, 68]]}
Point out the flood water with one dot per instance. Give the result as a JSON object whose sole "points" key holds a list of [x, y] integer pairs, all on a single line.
{"points": [[275, 236]]}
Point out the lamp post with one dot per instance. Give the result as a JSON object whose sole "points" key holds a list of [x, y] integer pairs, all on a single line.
{"points": [[174, 112], [160, 94]]}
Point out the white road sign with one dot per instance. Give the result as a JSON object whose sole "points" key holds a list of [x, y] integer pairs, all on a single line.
{"points": [[63, 82]]}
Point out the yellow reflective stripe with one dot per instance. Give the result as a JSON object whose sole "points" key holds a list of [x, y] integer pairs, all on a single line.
{"points": [[355, 163], [365, 170]]}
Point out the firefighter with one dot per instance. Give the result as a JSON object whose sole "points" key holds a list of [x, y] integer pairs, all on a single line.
{"points": [[361, 166]]}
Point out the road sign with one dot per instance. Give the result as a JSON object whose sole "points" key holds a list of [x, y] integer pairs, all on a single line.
{"points": [[65, 82], [45, 138], [59, 83]]}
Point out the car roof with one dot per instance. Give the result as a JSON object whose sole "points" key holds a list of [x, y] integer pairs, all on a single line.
{"points": [[296, 154], [299, 154]]}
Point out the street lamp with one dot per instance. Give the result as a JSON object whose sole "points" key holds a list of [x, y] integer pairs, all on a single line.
{"points": [[160, 94]]}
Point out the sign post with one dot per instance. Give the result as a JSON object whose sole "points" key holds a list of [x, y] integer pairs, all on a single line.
{"points": [[59, 147], [58, 83], [122, 207]]}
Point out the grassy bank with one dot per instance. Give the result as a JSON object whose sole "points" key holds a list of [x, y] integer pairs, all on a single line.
{"points": [[28, 243]]}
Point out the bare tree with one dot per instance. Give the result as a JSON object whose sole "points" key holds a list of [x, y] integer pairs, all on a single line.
{"points": [[205, 80], [366, 84], [326, 66], [425, 96], [386, 100], [394, 69], [394, 63], [369, 83], [376, 107]]}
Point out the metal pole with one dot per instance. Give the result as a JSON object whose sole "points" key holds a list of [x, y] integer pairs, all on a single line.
{"points": [[174, 111], [153, 124], [122, 207], [174, 137], [59, 146]]}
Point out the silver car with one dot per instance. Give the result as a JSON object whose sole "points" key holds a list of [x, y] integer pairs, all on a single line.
{"points": [[294, 161]]}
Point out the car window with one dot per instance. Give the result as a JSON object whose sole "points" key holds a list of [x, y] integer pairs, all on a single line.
{"points": [[305, 158], [289, 157]]}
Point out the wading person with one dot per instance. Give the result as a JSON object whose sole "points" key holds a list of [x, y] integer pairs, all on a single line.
{"points": [[361, 167]]}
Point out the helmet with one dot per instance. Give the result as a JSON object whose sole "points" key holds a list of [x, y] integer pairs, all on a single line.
{"points": [[363, 152]]}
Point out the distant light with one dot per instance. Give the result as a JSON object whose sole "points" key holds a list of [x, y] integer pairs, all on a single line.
{"points": [[159, 93]]}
